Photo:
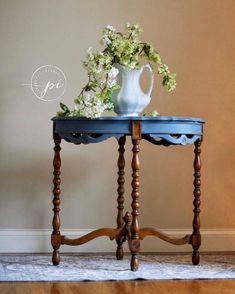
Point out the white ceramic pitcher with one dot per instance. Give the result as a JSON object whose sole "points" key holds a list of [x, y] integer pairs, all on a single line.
{"points": [[130, 100]]}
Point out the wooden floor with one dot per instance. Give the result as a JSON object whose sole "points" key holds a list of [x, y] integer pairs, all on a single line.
{"points": [[132, 287]]}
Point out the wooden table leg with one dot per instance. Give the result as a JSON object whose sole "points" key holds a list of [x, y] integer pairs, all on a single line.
{"points": [[135, 240], [120, 190], [56, 237], [196, 236]]}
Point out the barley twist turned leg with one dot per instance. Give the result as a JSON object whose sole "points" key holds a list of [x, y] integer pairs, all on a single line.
{"points": [[120, 190], [56, 238], [196, 236], [135, 241]]}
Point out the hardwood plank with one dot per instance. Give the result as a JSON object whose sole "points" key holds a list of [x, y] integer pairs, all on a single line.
{"points": [[122, 287]]}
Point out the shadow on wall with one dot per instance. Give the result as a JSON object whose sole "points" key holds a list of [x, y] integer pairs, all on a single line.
{"points": [[29, 188]]}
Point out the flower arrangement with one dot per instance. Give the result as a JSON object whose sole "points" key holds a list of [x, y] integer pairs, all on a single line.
{"points": [[119, 48]]}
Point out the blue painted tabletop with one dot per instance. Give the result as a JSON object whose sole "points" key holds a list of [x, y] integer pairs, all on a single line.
{"points": [[160, 130], [131, 118]]}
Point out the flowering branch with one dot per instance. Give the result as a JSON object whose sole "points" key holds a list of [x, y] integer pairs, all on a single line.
{"points": [[120, 48]]}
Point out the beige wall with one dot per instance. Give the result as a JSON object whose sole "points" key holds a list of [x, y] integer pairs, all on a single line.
{"points": [[196, 38]]}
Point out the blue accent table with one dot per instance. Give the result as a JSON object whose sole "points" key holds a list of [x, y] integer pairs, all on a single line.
{"points": [[160, 130]]}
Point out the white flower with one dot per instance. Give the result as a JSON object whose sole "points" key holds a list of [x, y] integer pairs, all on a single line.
{"points": [[89, 105], [89, 54], [89, 50], [111, 83], [154, 113], [105, 40], [111, 28], [113, 72], [99, 69]]}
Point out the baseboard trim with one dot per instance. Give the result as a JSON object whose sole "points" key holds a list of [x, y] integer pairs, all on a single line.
{"points": [[35, 241]]}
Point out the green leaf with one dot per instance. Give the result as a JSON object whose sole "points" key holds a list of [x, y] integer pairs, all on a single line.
{"points": [[64, 107], [146, 49], [61, 113]]}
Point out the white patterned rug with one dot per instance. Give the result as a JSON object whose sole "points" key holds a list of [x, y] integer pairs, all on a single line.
{"points": [[105, 267]]}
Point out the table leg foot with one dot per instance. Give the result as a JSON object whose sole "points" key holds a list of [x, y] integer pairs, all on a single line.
{"points": [[134, 262], [119, 253], [195, 257], [56, 256]]}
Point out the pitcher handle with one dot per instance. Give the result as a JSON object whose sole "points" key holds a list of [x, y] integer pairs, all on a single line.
{"points": [[151, 76]]}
